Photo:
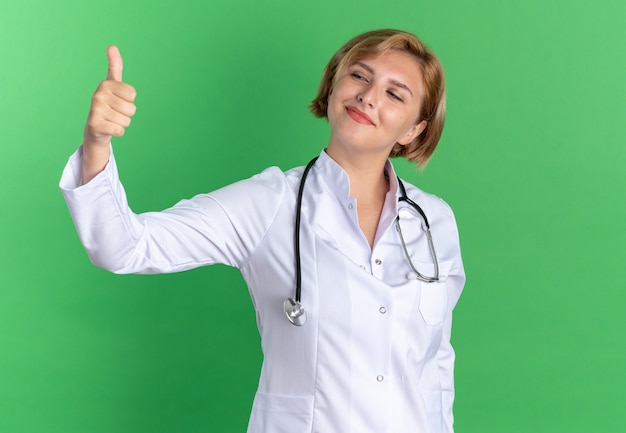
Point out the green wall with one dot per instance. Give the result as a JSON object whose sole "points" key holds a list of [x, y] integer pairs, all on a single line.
{"points": [[532, 161]]}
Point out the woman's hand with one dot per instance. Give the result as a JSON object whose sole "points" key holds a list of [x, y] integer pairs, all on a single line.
{"points": [[112, 106]]}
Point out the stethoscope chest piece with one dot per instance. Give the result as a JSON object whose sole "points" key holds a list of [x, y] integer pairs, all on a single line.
{"points": [[294, 311]]}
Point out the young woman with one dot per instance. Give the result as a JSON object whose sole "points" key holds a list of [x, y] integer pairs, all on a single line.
{"points": [[352, 272]]}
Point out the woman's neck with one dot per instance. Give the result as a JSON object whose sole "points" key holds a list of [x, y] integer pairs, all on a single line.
{"points": [[365, 171], [369, 186]]}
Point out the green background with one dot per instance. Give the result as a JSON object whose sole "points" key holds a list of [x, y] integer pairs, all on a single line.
{"points": [[531, 160]]}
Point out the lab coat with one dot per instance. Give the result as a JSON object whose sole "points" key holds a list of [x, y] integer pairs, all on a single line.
{"points": [[374, 354]]}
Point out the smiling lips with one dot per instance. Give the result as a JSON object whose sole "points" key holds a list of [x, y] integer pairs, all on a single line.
{"points": [[359, 116]]}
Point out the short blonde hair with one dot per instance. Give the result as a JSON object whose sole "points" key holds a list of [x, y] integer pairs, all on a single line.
{"points": [[433, 108]]}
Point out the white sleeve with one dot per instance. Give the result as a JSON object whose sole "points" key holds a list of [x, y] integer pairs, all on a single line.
{"points": [[446, 356], [195, 232]]}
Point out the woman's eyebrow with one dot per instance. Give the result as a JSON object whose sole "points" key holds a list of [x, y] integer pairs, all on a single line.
{"points": [[392, 81], [364, 66], [401, 85]]}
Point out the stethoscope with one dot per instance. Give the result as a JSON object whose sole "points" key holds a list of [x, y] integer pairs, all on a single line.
{"points": [[293, 306]]}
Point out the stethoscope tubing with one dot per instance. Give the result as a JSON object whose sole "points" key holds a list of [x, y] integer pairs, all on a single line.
{"points": [[296, 234], [293, 306]]}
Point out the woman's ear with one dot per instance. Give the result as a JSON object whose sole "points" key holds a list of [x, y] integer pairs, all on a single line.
{"points": [[413, 132]]}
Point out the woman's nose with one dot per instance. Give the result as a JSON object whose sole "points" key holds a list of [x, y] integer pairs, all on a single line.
{"points": [[367, 95]]}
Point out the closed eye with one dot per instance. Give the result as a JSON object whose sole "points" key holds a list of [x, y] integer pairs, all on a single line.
{"points": [[395, 96], [358, 76]]}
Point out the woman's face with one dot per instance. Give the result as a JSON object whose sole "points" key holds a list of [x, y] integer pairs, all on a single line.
{"points": [[375, 104]]}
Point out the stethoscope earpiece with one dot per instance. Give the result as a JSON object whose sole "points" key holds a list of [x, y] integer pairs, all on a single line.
{"points": [[294, 311]]}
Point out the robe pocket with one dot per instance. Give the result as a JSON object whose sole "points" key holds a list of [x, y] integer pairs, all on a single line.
{"points": [[434, 296], [281, 413], [432, 402], [434, 411]]}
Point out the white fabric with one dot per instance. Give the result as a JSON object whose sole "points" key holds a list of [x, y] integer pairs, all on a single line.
{"points": [[374, 354]]}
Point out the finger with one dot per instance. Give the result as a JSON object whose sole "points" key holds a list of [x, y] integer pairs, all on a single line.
{"points": [[124, 91], [113, 124], [125, 108], [118, 120], [121, 90], [108, 112], [115, 64]]}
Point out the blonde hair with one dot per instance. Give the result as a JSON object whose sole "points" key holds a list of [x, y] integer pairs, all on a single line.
{"points": [[433, 108]]}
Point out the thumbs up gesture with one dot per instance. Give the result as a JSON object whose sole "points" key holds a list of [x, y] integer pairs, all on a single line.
{"points": [[112, 106]]}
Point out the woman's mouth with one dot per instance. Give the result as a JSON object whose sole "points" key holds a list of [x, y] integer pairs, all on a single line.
{"points": [[359, 116]]}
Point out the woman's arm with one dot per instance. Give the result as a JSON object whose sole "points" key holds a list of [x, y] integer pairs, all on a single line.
{"points": [[446, 355], [195, 232], [224, 226], [455, 282]]}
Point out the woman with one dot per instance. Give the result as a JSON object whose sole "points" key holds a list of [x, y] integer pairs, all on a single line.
{"points": [[371, 350]]}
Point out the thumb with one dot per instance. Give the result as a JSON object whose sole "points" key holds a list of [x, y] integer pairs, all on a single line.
{"points": [[115, 64]]}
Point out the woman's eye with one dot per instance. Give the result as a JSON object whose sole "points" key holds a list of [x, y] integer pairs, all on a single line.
{"points": [[395, 96], [358, 76]]}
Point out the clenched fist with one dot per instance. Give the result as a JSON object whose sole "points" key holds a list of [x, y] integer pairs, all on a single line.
{"points": [[112, 107]]}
